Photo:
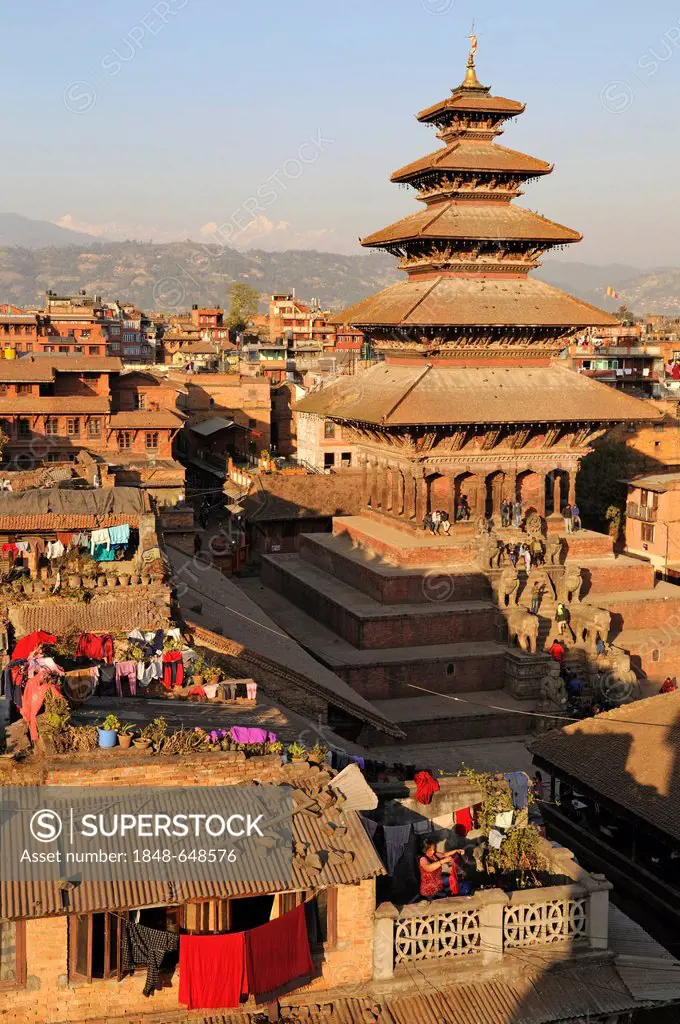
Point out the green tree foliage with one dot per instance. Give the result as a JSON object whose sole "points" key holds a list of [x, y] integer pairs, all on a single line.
{"points": [[244, 302]]}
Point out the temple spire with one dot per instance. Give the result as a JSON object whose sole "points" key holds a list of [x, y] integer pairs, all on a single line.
{"points": [[471, 81]]}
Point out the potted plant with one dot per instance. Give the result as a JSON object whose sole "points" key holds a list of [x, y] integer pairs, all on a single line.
{"points": [[125, 735], [297, 752], [275, 748], [198, 670], [108, 731], [153, 734], [318, 753]]}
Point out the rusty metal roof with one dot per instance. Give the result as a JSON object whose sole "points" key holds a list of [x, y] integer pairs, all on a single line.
{"points": [[400, 395], [354, 859], [442, 301], [117, 614], [495, 221]]}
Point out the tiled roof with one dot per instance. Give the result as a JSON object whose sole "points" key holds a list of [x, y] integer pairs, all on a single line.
{"points": [[473, 301], [474, 156], [145, 420], [462, 220], [630, 756], [467, 100], [398, 395], [52, 521], [278, 496], [103, 614], [42, 366], [64, 405]]}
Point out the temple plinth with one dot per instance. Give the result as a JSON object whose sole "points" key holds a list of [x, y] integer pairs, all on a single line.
{"points": [[472, 404]]}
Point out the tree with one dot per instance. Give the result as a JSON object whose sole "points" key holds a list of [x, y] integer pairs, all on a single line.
{"points": [[624, 316], [244, 304]]}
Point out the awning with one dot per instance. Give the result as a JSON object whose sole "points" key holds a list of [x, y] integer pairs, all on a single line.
{"points": [[212, 426]]}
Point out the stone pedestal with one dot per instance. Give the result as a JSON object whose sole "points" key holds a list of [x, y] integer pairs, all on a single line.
{"points": [[523, 674]]}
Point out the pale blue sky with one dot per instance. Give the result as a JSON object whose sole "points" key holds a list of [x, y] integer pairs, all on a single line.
{"points": [[155, 119]]}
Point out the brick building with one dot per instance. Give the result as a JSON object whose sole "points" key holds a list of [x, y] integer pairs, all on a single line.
{"points": [[54, 408]]}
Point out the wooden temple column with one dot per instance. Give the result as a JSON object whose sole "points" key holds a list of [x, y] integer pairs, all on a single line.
{"points": [[396, 503], [573, 473], [542, 474], [373, 481], [363, 462], [480, 496], [451, 480], [511, 485], [558, 495], [384, 496], [420, 496]]}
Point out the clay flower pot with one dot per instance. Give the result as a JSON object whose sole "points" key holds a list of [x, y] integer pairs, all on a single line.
{"points": [[124, 581], [74, 582], [125, 740], [142, 743]]}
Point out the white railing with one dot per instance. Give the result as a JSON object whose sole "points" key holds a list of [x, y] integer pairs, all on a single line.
{"points": [[436, 935], [533, 924]]}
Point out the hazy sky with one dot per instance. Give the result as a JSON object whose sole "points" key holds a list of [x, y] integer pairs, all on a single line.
{"points": [[281, 122]]}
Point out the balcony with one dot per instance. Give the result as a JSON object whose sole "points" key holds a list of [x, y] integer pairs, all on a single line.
{"points": [[645, 513], [570, 918]]}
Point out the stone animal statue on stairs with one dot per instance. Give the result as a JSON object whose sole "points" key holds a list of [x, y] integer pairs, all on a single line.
{"points": [[523, 627], [589, 624], [489, 551], [572, 581], [508, 587], [553, 550]]}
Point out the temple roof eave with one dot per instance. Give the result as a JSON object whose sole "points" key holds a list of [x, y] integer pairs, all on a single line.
{"points": [[485, 157], [401, 396], [473, 303], [478, 103]]}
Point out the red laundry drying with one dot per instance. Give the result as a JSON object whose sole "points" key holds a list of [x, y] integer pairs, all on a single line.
{"points": [[212, 971], [278, 952], [173, 669], [34, 697], [96, 647], [464, 818], [27, 644], [426, 787]]}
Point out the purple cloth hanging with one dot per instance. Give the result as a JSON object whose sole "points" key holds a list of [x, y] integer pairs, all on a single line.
{"points": [[249, 734]]}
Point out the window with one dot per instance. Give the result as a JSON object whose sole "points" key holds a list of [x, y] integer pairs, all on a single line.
{"points": [[93, 350], [78, 350], [23, 389], [12, 954], [73, 427], [346, 459], [124, 439], [23, 427], [139, 400], [252, 424], [29, 346], [86, 334], [151, 440], [3, 389], [328, 429], [328, 460], [321, 913], [94, 428], [648, 533], [64, 348], [51, 426], [94, 941]]}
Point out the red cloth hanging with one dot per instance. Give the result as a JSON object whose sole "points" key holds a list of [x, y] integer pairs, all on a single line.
{"points": [[278, 952], [96, 647], [27, 644], [173, 669], [464, 818], [34, 698], [426, 787], [212, 971]]}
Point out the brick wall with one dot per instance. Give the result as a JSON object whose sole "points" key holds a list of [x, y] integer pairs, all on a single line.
{"points": [[382, 682]]}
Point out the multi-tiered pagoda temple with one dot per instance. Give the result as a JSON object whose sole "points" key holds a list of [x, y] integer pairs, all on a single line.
{"points": [[472, 404]]}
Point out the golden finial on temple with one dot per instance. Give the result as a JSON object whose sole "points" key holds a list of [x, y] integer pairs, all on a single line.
{"points": [[471, 81]]}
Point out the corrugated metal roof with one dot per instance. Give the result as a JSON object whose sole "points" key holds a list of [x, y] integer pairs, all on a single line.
{"points": [[346, 858], [116, 614]]}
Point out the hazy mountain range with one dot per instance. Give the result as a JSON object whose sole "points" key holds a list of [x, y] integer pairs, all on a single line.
{"points": [[36, 255]]}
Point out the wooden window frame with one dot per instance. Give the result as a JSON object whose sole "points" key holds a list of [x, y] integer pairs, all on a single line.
{"points": [[20, 959], [108, 973], [155, 436], [94, 427]]}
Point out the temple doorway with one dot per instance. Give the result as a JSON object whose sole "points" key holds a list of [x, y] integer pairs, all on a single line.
{"points": [[438, 494], [465, 497], [495, 492], [531, 491]]}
